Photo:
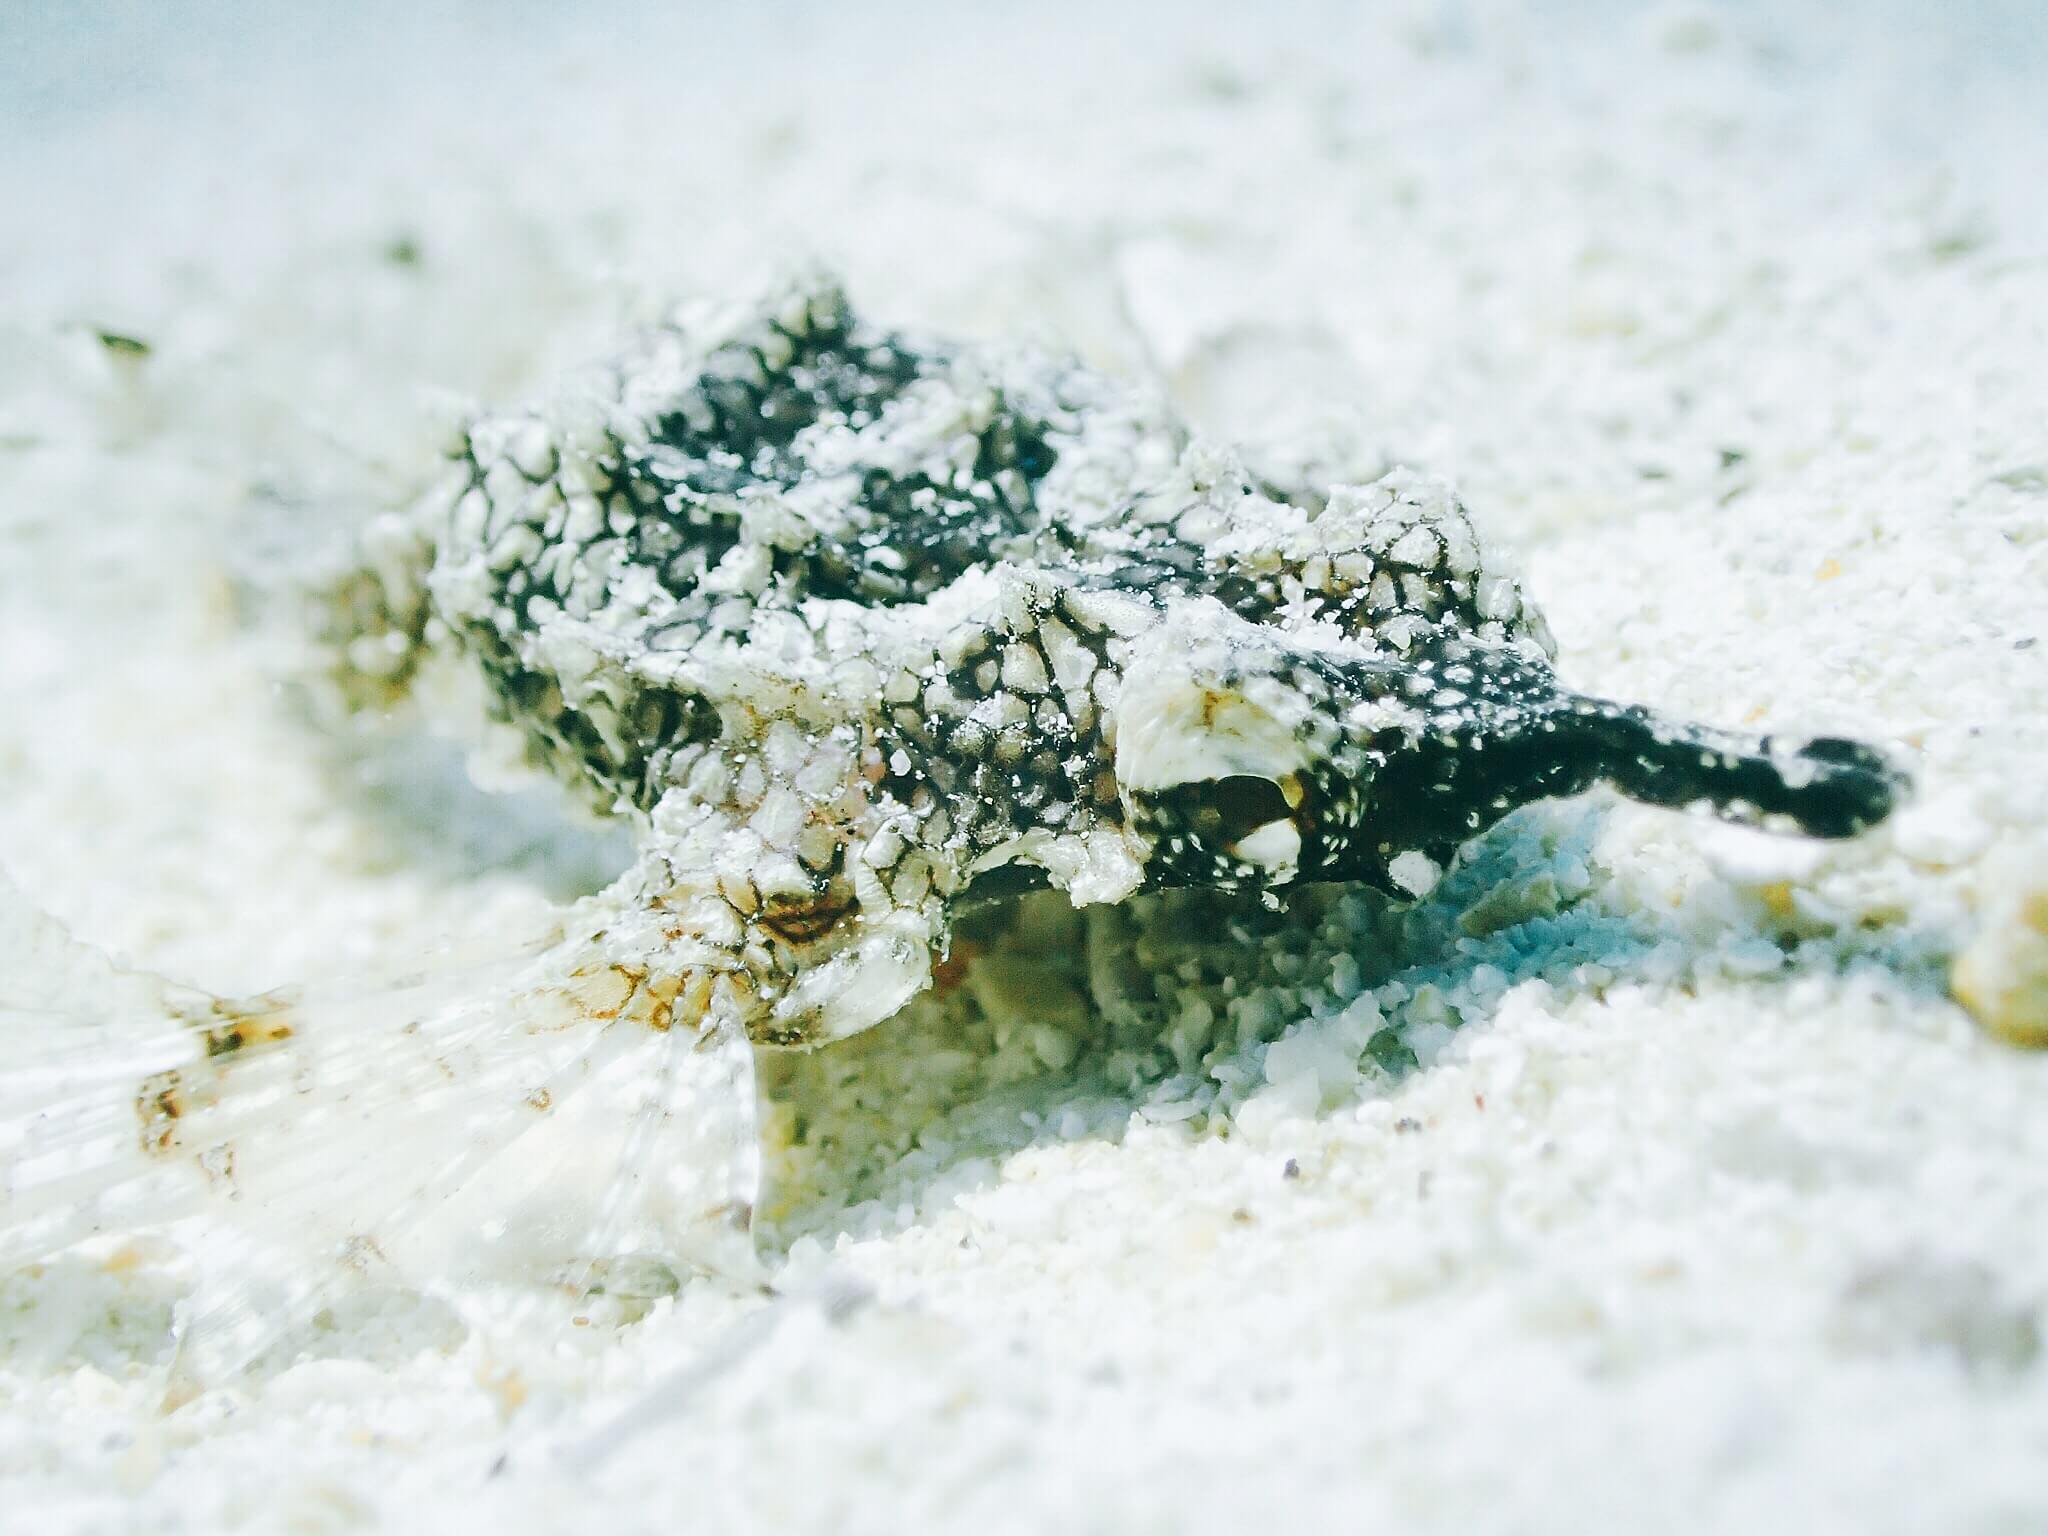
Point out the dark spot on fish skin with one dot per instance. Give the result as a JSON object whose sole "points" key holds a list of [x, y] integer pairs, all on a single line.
{"points": [[782, 1036], [801, 920]]}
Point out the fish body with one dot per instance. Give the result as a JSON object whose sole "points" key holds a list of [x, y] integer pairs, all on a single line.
{"points": [[848, 621]]}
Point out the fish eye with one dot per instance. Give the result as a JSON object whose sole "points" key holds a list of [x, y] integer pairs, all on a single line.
{"points": [[1246, 816], [1221, 811]]}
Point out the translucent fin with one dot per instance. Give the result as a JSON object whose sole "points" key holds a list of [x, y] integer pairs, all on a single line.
{"points": [[663, 1183], [377, 1129], [681, 1184], [614, 1154], [141, 1116]]}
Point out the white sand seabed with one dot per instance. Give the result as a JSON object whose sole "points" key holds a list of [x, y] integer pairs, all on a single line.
{"points": [[1716, 1214]]}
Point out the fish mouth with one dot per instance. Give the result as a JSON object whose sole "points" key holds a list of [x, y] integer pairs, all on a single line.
{"points": [[1519, 737], [1284, 767], [1463, 733]]}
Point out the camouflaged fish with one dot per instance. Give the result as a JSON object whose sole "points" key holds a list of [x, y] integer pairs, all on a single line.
{"points": [[857, 623], [853, 623], [857, 627]]}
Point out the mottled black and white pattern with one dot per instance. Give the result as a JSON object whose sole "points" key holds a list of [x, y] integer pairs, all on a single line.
{"points": [[855, 623]]}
